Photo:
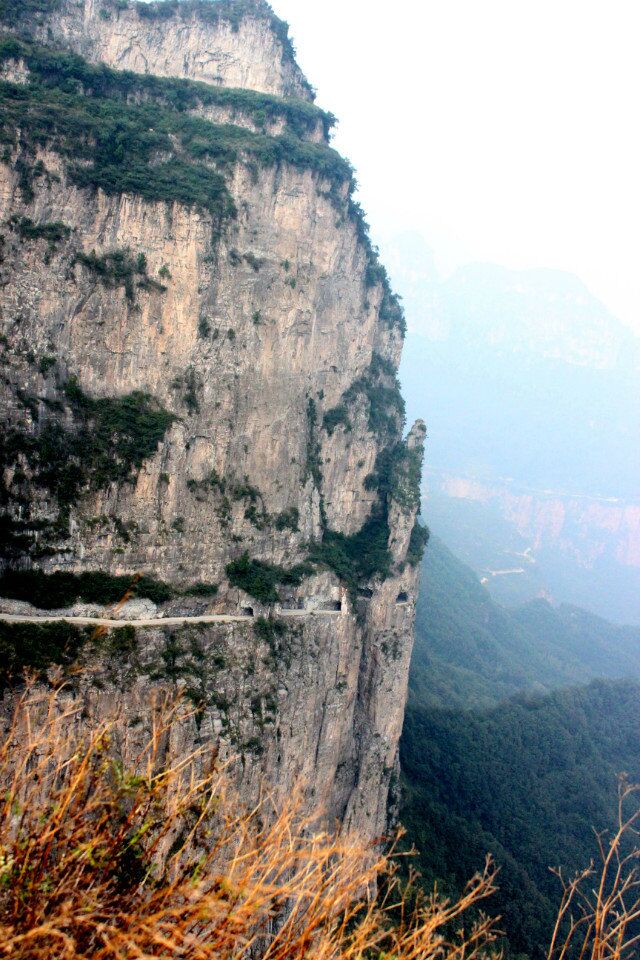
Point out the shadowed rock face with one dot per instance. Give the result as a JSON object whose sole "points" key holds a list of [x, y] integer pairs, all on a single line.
{"points": [[261, 348]]}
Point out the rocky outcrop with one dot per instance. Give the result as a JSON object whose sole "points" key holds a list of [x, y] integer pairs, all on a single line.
{"points": [[222, 42], [200, 385]]}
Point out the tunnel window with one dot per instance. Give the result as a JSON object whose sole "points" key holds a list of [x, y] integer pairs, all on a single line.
{"points": [[402, 597], [247, 611], [330, 605], [297, 603]]}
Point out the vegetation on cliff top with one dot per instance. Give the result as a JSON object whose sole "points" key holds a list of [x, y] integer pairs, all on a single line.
{"points": [[147, 147], [261, 580], [215, 11], [14, 13], [124, 132], [59, 68], [24, 13]]}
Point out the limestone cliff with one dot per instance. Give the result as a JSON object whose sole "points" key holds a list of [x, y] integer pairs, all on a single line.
{"points": [[199, 385]]}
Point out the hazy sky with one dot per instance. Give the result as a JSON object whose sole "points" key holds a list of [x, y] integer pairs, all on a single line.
{"points": [[502, 130]]}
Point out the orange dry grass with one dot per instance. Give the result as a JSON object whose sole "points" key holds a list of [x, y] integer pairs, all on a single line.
{"points": [[99, 862]]}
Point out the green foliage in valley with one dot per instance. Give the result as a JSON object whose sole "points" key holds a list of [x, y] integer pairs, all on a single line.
{"points": [[496, 757], [469, 651], [528, 781]]}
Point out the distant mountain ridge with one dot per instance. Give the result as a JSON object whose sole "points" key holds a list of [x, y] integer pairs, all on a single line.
{"points": [[471, 652], [529, 382], [549, 313]]}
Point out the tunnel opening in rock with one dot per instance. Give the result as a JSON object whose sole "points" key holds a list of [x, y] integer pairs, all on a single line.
{"points": [[330, 605], [402, 597], [293, 603]]}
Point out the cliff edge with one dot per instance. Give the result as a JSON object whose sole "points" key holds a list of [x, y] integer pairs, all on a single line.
{"points": [[201, 413]]}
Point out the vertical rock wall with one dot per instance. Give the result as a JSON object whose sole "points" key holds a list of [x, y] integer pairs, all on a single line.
{"points": [[269, 342]]}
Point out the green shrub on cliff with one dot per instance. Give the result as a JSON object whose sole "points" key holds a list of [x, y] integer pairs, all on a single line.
{"points": [[53, 232], [101, 440], [261, 580], [13, 13], [57, 68], [36, 646], [357, 558], [417, 544], [118, 268], [52, 591], [380, 387], [141, 146]]}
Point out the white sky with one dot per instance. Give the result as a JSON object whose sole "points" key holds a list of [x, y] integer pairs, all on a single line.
{"points": [[501, 130]]}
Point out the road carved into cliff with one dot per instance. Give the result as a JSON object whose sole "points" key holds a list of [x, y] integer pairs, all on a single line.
{"points": [[158, 621]]}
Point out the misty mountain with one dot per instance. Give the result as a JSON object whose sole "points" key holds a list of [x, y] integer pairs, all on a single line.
{"points": [[529, 387], [471, 652]]}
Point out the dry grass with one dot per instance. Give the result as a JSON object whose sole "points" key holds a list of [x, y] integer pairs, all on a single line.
{"points": [[161, 860], [99, 862]]}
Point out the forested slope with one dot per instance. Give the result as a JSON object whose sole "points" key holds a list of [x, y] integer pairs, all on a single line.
{"points": [[470, 651], [495, 759]]}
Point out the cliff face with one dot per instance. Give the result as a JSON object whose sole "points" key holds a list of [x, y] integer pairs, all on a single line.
{"points": [[228, 44], [200, 354]]}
